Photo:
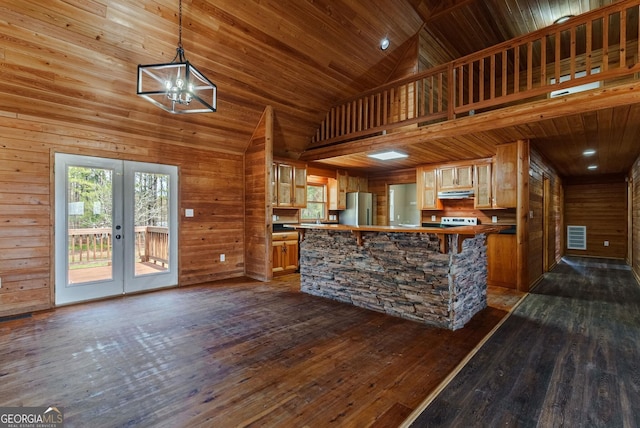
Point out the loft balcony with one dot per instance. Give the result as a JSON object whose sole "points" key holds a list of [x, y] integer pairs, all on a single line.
{"points": [[592, 51]]}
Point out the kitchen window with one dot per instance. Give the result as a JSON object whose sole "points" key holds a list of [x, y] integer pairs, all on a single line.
{"points": [[316, 203]]}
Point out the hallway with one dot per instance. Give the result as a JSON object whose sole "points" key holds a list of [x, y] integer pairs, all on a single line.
{"points": [[568, 355]]}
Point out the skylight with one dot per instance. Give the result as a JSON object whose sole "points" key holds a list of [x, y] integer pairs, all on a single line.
{"points": [[388, 155]]}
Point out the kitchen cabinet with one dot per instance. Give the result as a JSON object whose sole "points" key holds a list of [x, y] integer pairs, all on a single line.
{"points": [[288, 185], [342, 180], [506, 178], [501, 261], [343, 184], [427, 187], [483, 185], [357, 184], [455, 177], [285, 252]]}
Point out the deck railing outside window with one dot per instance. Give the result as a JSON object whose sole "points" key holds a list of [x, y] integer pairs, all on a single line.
{"points": [[93, 246]]}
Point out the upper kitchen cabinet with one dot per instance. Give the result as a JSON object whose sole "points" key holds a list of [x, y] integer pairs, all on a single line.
{"points": [[455, 177], [427, 185], [342, 180], [483, 188], [357, 184], [506, 178], [343, 184], [289, 184]]}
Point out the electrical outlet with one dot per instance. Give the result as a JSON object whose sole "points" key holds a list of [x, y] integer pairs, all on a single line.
{"points": [[606, 243], [494, 219], [222, 257], [433, 218]]}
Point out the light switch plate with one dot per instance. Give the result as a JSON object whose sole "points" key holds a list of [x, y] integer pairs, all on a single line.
{"points": [[188, 212]]}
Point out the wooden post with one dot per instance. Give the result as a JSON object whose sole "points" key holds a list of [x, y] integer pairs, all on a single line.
{"points": [[522, 214]]}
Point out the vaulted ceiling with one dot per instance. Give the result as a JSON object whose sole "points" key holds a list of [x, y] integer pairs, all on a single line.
{"points": [[76, 61]]}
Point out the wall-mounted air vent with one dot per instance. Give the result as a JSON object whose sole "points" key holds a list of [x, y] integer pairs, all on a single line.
{"points": [[576, 237]]}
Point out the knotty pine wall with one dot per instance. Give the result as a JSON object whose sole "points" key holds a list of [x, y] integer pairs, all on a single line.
{"points": [[601, 205], [258, 210], [634, 257], [211, 182], [545, 228]]}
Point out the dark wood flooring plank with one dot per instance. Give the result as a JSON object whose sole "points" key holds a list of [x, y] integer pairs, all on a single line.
{"points": [[234, 353], [568, 356]]}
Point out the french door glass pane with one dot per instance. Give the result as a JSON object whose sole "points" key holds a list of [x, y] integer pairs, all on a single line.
{"points": [[151, 223], [89, 222]]}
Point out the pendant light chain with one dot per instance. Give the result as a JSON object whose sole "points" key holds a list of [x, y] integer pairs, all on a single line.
{"points": [[180, 24]]}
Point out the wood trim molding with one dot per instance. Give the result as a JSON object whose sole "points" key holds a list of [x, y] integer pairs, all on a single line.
{"points": [[522, 214]]}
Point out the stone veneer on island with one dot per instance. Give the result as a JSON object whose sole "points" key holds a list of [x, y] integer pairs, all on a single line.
{"points": [[404, 274]]}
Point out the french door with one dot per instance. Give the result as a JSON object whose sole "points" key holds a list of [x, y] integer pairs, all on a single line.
{"points": [[115, 227]]}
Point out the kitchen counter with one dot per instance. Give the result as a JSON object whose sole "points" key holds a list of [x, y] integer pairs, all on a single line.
{"points": [[461, 230], [439, 231], [433, 275]]}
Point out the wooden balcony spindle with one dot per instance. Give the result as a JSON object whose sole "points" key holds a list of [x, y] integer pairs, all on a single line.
{"points": [[623, 38]]}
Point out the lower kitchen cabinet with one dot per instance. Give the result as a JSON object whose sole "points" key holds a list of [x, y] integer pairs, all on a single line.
{"points": [[502, 268], [285, 252]]}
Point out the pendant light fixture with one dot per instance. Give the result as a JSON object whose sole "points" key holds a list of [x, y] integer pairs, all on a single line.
{"points": [[177, 87]]}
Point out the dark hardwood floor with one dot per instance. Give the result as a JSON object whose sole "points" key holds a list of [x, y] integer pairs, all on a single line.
{"points": [[568, 356], [234, 353]]}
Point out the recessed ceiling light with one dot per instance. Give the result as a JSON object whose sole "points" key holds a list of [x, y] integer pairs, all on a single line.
{"points": [[388, 155], [562, 19], [589, 152], [592, 167], [384, 44]]}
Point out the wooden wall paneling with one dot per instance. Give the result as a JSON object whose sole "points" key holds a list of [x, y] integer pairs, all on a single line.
{"points": [[600, 204], [535, 227], [257, 200], [211, 183], [546, 228], [25, 233], [635, 220]]}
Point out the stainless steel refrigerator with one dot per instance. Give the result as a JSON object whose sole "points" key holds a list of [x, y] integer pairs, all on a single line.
{"points": [[360, 209]]}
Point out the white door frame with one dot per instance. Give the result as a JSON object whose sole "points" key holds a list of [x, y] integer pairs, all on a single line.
{"points": [[123, 278]]}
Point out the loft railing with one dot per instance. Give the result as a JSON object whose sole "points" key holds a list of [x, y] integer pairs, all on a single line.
{"points": [[583, 53]]}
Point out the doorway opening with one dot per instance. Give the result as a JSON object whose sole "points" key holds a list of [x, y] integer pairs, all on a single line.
{"points": [[115, 227]]}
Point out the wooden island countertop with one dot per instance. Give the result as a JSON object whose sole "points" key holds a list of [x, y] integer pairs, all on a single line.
{"points": [[451, 230], [440, 231]]}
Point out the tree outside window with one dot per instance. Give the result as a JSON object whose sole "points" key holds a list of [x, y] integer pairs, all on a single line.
{"points": [[316, 203]]}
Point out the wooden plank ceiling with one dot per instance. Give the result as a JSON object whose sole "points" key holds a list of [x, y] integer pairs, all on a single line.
{"points": [[76, 61]]}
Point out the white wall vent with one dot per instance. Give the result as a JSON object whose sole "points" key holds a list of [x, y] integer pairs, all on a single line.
{"points": [[574, 89], [576, 237]]}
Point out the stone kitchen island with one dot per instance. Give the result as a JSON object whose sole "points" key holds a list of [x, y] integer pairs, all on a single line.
{"points": [[428, 274]]}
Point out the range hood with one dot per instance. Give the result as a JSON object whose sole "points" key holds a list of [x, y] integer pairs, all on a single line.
{"points": [[455, 194]]}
